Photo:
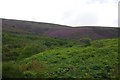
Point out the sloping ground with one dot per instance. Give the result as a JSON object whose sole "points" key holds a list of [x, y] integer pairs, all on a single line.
{"points": [[28, 26], [96, 61], [34, 56], [16, 46], [61, 31], [79, 32]]}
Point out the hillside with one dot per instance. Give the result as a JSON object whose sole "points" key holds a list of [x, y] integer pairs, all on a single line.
{"points": [[32, 56], [60, 31], [46, 50], [76, 62]]}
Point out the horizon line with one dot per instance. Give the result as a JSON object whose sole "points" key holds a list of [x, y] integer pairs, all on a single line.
{"points": [[58, 24]]}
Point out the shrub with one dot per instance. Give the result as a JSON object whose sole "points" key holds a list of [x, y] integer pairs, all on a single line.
{"points": [[48, 43], [33, 66], [98, 44], [11, 70], [29, 74], [85, 41]]}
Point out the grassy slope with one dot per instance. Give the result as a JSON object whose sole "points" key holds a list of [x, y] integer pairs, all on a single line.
{"points": [[76, 62], [22, 45], [59, 58]]}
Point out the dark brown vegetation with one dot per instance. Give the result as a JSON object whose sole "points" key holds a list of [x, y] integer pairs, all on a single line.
{"points": [[55, 30]]}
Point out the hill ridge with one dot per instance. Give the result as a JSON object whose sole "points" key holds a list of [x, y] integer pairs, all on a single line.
{"points": [[57, 30]]}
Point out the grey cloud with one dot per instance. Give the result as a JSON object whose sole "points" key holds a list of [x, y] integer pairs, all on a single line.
{"points": [[115, 23], [100, 1], [87, 19], [67, 14], [119, 14]]}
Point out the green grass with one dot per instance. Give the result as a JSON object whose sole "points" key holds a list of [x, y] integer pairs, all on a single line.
{"points": [[18, 46], [34, 56]]}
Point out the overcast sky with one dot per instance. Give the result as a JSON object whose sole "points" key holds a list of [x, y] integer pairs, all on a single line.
{"points": [[66, 12]]}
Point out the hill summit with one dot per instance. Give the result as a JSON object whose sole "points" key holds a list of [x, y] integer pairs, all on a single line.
{"points": [[56, 30]]}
